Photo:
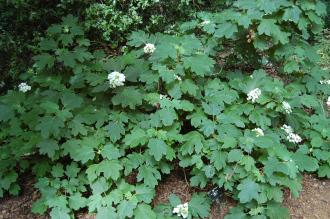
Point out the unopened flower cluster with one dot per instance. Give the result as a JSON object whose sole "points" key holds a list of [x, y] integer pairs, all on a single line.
{"points": [[286, 107], [181, 210], [149, 48], [325, 82], [291, 136], [24, 87], [254, 94], [259, 132], [116, 79]]}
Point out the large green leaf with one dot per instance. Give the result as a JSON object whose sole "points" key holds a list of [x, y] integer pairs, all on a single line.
{"points": [[106, 213], [157, 148], [200, 205], [78, 150], [305, 162], [44, 60], [167, 116], [76, 201], [226, 29], [50, 125], [199, 64], [144, 211], [48, 147], [125, 209], [104, 167], [135, 138], [249, 190], [128, 97], [6, 113], [149, 174], [270, 28], [58, 213], [193, 142]]}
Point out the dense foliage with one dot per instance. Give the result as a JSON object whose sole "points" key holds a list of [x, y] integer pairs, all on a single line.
{"points": [[327, 18], [214, 94]]}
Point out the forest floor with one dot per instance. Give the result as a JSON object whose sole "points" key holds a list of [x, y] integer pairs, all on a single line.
{"points": [[313, 203]]}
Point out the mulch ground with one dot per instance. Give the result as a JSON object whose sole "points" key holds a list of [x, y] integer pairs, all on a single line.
{"points": [[313, 203]]}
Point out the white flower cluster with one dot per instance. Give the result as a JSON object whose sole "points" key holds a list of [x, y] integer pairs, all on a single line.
{"points": [[291, 136], [206, 22], [116, 79], [149, 48], [288, 129], [328, 102], [181, 210], [294, 138], [325, 82], [286, 107], [2, 84], [24, 87], [254, 94], [259, 132], [177, 77], [161, 96]]}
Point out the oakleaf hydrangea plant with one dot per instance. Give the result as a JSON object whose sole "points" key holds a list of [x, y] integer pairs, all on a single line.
{"points": [[208, 97]]}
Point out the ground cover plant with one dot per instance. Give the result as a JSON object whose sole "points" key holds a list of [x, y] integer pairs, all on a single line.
{"points": [[234, 94]]}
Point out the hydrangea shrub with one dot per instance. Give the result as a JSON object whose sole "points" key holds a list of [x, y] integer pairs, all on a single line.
{"points": [[204, 98]]}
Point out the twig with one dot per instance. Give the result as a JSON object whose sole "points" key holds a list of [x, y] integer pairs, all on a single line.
{"points": [[185, 178]]}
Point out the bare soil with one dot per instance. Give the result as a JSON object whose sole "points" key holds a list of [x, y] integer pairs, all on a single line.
{"points": [[313, 203]]}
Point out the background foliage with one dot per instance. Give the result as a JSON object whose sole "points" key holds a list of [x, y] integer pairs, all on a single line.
{"points": [[185, 104]]}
